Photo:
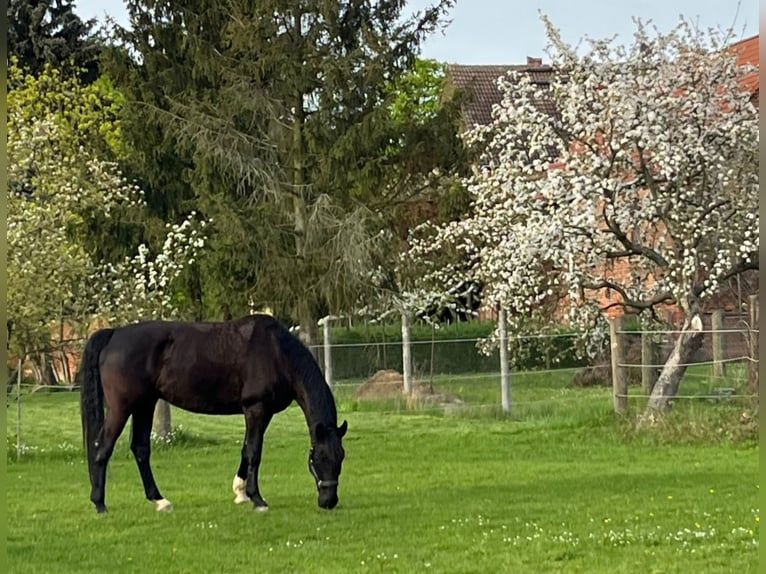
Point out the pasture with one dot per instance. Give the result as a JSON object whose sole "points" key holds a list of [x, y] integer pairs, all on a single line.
{"points": [[561, 486]]}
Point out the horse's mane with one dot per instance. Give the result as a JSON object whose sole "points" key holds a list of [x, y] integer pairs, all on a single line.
{"points": [[307, 369]]}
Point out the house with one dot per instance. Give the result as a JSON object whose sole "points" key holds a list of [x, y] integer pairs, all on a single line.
{"points": [[480, 83], [747, 53]]}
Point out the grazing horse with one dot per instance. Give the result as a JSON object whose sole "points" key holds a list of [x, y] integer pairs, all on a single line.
{"points": [[252, 365]]}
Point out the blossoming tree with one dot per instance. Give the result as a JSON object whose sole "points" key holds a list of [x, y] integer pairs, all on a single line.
{"points": [[58, 181], [643, 184]]}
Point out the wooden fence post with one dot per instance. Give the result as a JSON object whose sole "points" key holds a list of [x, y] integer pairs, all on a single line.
{"points": [[505, 376], [619, 378], [327, 352], [649, 358], [406, 354], [719, 368], [753, 384]]}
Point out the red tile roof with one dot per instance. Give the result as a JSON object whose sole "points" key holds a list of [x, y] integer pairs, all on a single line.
{"points": [[747, 53], [481, 84], [481, 81]]}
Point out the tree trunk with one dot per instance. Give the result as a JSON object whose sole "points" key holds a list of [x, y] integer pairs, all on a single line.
{"points": [[309, 332], [649, 359], [666, 388], [42, 367], [162, 423]]}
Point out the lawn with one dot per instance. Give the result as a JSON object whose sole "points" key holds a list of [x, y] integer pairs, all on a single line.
{"points": [[559, 489]]}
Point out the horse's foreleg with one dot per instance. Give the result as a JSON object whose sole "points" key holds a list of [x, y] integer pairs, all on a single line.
{"points": [[256, 421], [140, 445], [113, 426]]}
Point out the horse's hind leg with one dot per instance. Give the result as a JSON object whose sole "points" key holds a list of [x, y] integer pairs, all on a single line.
{"points": [[113, 426], [140, 445]]}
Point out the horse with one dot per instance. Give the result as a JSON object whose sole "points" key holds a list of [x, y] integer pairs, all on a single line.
{"points": [[252, 366]]}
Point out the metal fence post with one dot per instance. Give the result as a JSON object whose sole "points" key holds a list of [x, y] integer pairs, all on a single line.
{"points": [[753, 383], [18, 408], [406, 354], [505, 376], [327, 352]]}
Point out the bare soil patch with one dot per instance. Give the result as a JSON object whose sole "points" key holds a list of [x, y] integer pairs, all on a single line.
{"points": [[390, 384]]}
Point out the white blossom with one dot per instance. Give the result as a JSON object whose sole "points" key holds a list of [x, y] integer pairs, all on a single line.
{"points": [[56, 187], [644, 182]]}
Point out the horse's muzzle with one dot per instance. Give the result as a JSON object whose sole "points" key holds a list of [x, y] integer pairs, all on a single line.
{"points": [[328, 500]]}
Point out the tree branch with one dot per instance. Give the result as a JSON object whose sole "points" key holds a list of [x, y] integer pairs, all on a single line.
{"points": [[631, 247], [665, 297]]}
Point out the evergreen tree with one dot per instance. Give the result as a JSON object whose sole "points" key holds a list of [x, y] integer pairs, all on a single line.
{"points": [[288, 117], [44, 32]]}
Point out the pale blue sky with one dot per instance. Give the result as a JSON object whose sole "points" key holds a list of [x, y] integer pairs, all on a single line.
{"points": [[507, 31]]}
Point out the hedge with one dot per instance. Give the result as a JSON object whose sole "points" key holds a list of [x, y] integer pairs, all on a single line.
{"points": [[359, 351]]}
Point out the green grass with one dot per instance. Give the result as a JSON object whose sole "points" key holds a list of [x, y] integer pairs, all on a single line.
{"points": [[565, 488]]}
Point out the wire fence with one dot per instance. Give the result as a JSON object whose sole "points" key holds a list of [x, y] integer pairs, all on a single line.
{"points": [[547, 376], [461, 359]]}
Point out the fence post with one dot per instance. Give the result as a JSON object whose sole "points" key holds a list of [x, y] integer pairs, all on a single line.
{"points": [[18, 408], [505, 376], [406, 354], [619, 380], [719, 368], [648, 363], [753, 384], [327, 352]]}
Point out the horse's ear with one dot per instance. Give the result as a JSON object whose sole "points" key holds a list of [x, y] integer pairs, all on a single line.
{"points": [[320, 432], [342, 429]]}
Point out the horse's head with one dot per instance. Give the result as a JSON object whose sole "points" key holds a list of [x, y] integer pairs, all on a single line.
{"points": [[325, 461]]}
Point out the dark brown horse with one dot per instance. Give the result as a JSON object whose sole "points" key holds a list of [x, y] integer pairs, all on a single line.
{"points": [[253, 366]]}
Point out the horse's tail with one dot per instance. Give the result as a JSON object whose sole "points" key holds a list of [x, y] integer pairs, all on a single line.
{"points": [[91, 392]]}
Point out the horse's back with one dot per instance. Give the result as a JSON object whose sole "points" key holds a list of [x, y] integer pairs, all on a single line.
{"points": [[212, 368], [196, 366]]}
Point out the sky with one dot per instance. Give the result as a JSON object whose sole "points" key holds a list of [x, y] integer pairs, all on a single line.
{"points": [[508, 31]]}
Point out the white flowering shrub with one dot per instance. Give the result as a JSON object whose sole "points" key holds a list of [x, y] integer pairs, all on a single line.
{"points": [[138, 288], [643, 183], [57, 182]]}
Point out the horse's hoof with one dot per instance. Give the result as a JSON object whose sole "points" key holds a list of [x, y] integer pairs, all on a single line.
{"points": [[240, 498], [163, 505], [101, 509], [261, 507]]}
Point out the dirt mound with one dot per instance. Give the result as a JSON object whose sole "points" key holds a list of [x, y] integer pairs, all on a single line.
{"points": [[383, 384], [390, 384]]}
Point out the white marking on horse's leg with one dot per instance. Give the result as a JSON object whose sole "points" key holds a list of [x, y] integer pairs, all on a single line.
{"points": [[163, 505], [238, 486], [262, 508]]}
